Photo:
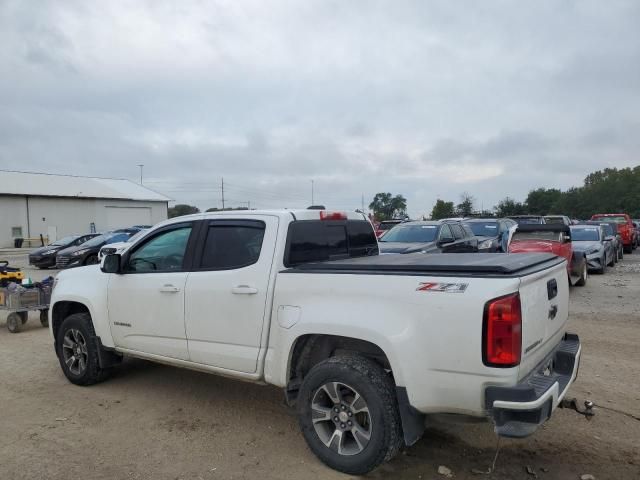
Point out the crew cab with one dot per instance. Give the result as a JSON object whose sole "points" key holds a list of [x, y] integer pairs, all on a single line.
{"points": [[364, 346], [625, 227], [555, 239]]}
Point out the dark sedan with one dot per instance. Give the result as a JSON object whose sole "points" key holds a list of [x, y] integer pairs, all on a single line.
{"points": [[45, 257], [492, 233], [429, 237], [87, 253]]}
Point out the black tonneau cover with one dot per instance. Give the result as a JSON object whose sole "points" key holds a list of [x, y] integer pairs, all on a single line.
{"points": [[437, 263]]}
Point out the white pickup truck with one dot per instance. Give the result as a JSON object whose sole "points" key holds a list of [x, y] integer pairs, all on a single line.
{"points": [[365, 346]]}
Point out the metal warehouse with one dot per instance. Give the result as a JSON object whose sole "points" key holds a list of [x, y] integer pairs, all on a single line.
{"points": [[54, 206]]}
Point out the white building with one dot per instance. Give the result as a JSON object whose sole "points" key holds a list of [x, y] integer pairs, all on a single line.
{"points": [[34, 204]]}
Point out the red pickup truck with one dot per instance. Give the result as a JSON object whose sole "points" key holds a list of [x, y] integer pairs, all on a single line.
{"points": [[625, 227]]}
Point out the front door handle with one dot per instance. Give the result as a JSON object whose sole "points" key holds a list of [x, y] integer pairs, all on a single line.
{"points": [[553, 311], [168, 288], [244, 290]]}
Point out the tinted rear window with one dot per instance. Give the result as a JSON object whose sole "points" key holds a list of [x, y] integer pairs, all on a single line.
{"points": [[317, 241]]}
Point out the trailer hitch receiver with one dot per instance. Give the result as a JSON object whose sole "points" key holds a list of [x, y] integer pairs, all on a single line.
{"points": [[572, 404]]}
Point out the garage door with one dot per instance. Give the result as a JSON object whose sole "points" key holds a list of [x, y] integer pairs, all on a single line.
{"points": [[122, 217]]}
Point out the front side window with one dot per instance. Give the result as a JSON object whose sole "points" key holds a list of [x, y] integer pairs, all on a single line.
{"points": [[445, 232], [229, 246], [162, 253], [457, 232]]}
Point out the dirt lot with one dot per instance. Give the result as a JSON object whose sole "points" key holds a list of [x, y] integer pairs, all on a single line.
{"points": [[157, 422]]}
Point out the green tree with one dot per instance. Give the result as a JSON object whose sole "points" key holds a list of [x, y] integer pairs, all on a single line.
{"points": [[182, 209], [542, 201], [465, 207], [442, 209], [508, 206], [385, 206]]}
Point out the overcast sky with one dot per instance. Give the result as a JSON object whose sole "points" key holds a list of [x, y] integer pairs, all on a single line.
{"points": [[423, 98]]}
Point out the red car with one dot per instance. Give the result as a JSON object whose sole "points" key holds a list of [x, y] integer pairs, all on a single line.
{"points": [[625, 227], [551, 238], [385, 226]]}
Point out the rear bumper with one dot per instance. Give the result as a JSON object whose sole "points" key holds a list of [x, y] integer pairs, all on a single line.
{"points": [[518, 411]]}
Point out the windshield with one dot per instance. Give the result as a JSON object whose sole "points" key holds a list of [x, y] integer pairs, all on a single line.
{"points": [[484, 229], [614, 219], [554, 220], [411, 233], [585, 234], [109, 237], [63, 241]]}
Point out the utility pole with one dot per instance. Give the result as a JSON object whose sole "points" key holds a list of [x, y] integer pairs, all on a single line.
{"points": [[223, 193], [141, 165], [312, 203]]}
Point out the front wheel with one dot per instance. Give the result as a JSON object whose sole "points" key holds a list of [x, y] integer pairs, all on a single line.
{"points": [[92, 260], [14, 322], [77, 352], [348, 414], [582, 281]]}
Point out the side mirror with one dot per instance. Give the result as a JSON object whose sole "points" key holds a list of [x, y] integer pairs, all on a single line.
{"points": [[445, 240], [111, 263], [566, 238]]}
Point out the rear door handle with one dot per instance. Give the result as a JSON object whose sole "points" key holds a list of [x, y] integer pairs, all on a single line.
{"points": [[168, 288], [244, 290]]}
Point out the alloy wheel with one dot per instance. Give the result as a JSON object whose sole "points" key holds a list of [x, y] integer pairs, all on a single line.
{"points": [[74, 351], [341, 418]]}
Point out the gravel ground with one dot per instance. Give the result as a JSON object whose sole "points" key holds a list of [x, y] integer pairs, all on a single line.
{"points": [[157, 422]]}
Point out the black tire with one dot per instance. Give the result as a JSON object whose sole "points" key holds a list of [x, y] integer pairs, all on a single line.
{"points": [[14, 322], [612, 263], [582, 281], [620, 253], [44, 318], [24, 316], [92, 260], [628, 249], [377, 390], [91, 373], [603, 269]]}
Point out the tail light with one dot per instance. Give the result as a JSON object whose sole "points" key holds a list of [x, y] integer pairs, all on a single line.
{"points": [[324, 215], [502, 332]]}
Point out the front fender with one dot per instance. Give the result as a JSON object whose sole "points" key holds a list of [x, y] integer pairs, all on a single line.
{"points": [[87, 286]]}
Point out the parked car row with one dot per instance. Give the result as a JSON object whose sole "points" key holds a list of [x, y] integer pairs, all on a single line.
{"points": [[79, 250], [587, 246]]}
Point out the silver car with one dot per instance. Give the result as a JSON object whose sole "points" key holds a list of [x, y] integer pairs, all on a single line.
{"points": [[590, 239]]}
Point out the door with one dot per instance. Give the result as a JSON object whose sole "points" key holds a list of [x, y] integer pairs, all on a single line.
{"points": [[227, 292], [146, 301]]}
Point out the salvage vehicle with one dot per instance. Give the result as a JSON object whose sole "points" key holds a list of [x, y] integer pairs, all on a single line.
{"points": [[302, 300], [555, 239], [625, 227], [492, 233], [438, 236], [611, 235], [590, 239], [45, 257], [87, 253]]}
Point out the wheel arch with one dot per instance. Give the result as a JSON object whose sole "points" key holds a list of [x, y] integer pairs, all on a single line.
{"points": [[62, 310], [309, 349]]}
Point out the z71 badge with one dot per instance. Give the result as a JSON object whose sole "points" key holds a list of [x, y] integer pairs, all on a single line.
{"points": [[442, 287]]}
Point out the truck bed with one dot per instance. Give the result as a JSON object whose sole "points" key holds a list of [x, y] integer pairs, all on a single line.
{"points": [[441, 264]]}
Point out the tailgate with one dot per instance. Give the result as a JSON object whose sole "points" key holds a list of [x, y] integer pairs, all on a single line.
{"points": [[544, 297]]}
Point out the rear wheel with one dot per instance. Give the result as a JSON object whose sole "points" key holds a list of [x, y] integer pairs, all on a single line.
{"points": [[349, 415], [77, 352], [44, 318]]}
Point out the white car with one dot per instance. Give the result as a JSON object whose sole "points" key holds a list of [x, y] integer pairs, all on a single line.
{"points": [[120, 247], [364, 346]]}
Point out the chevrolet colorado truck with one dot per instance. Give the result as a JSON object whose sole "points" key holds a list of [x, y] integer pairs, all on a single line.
{"points": [[365, 346]]}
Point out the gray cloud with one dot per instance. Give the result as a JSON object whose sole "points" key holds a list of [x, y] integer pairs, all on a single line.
{"points": [[421, 98]]}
